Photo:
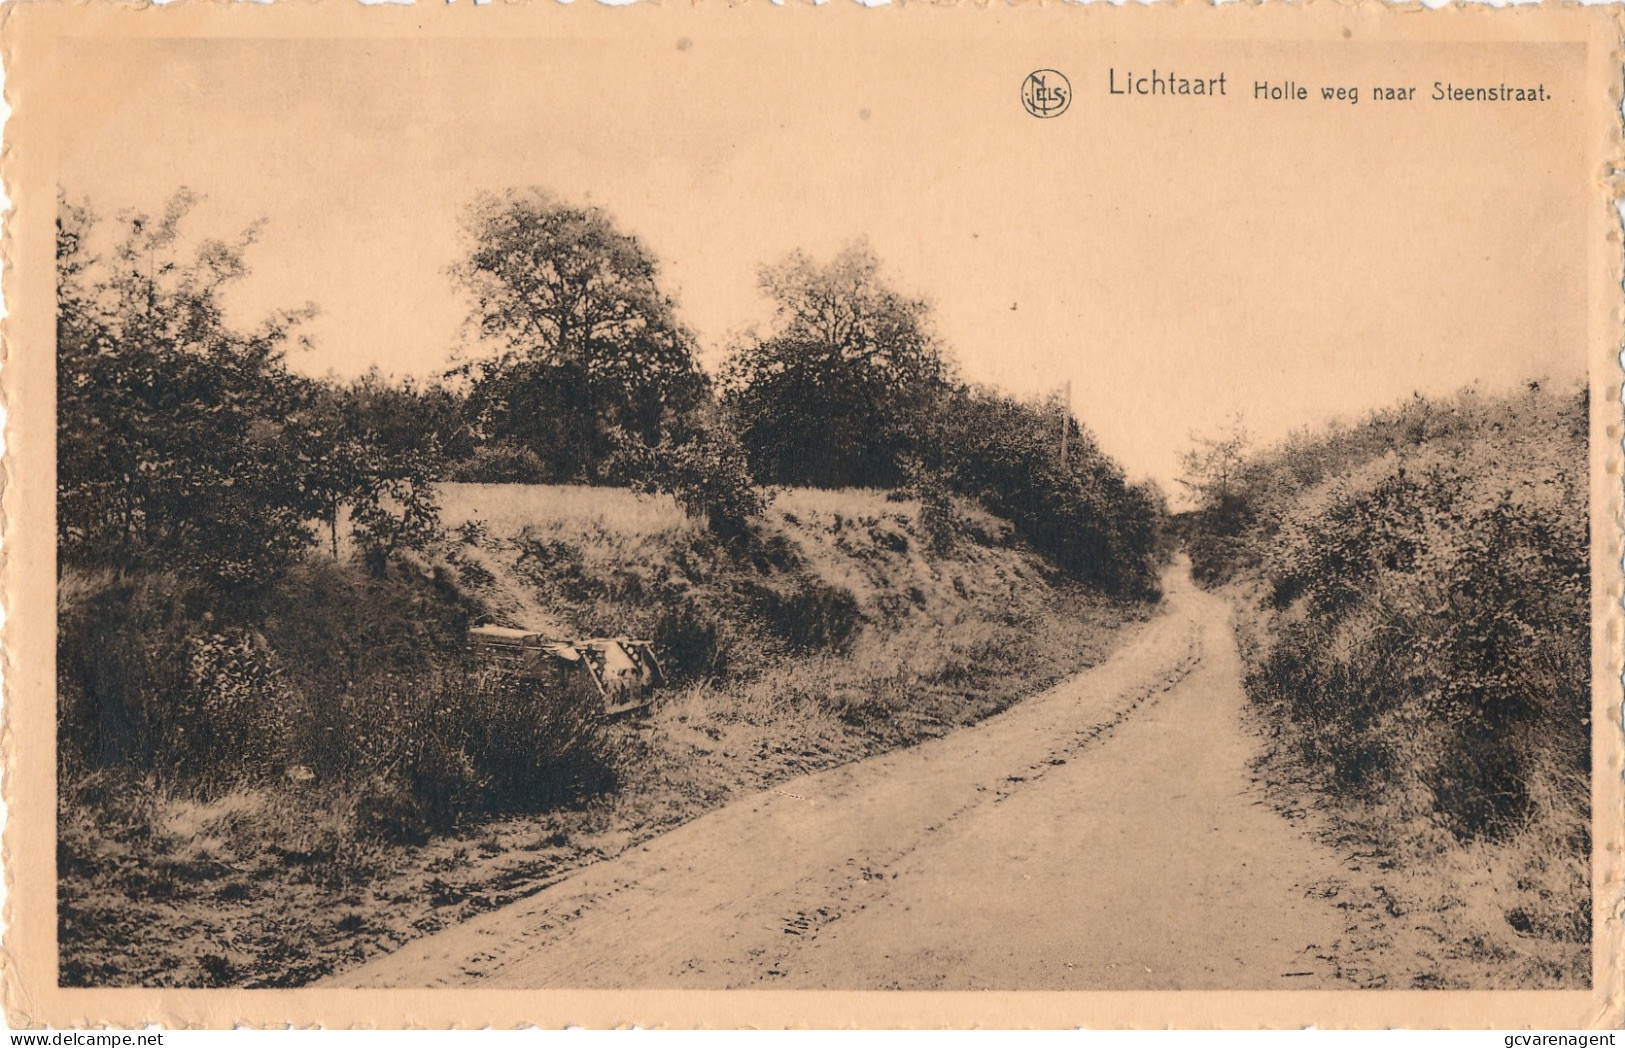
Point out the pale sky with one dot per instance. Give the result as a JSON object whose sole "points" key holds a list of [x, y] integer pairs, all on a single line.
{"points": [[1177, 262]]}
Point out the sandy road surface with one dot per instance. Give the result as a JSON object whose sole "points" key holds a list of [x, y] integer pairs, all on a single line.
{"points": [[1103, 835]]}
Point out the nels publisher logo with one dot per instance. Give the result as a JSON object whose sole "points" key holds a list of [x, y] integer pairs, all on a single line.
{"points": [[1046, 93]]}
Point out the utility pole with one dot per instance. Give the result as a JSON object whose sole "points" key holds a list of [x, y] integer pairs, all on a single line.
{"points": [[1066, 413]]}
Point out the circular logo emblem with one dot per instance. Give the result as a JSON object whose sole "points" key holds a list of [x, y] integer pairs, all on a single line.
{"points": [[1046, 93]]}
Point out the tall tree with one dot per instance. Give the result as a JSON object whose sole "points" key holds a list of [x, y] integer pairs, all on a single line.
{"points": [[178, 438], [587, 345], [840, 392], [183, 441], [1211, 470]]}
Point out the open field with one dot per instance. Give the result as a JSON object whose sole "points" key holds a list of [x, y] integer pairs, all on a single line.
{"points": [[506, 509]]}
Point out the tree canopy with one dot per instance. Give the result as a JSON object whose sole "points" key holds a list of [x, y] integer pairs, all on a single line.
{"points": [[1080, 510], [836, 394], [588, 350], [183, 441]]}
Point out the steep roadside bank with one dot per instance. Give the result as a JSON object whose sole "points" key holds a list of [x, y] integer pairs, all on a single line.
{"points": [[1413, 597], [840, 636]]}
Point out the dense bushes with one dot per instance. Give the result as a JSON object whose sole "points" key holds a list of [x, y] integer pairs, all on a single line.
{"points": [[698, 462], [206, 641], [499, 463], [853, 390], [822, 636], [185, 444], [1081, 512], [713, 607], [1432, 642], [425, 752], [334, 676], [1417, 637], [1423, 635]]}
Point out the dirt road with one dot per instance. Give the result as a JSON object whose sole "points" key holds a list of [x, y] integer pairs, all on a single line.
{"points": [[1103, 835]]}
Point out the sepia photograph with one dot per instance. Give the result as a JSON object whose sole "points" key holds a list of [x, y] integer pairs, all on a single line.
{"points": [[717, 501]]}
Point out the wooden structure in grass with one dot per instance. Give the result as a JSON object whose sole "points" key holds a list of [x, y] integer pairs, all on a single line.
{"points": [[622, 671]]}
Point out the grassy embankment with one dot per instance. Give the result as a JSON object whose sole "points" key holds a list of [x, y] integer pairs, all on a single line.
{"points": [[424, 791], [1415, 624]]}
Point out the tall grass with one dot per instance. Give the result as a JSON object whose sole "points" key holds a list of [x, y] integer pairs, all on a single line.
{"points": [[332, 678]]}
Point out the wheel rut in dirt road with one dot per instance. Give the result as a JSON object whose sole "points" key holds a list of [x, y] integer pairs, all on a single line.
{"points": [[1102, 835]]}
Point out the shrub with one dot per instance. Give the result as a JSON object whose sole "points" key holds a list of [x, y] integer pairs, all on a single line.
{"points": [[805, 612], [400, 512], [694, 640], [356, 680], [702, 466], [500, 462], [1082, 514], [1436, 634], [142, 678], [427, 750], [229, 722], [936, 520], [1420, 648], [1426, 575]]}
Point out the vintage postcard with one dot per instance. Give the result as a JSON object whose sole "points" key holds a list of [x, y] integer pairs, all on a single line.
{"points": [[749, 515]]}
